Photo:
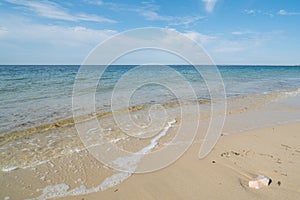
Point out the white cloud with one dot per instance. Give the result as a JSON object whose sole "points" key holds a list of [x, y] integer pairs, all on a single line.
{"points": [[242, 47], [241, 32], [172, 20], [3, 31], [94, 2], [25, 42], [215, 44], [209, 5], [53, 35], [238, 42], [149, 11], [93, 18], [153, 16], [226, 46], [199, 37], [284, 12], [186, 20], [237, 33], [52, 10], [151, 45], [255, 12], [252, 11]]}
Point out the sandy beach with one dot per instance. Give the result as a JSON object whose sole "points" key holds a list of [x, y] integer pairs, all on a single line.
{"points": [[149, 100], [48, 156], [224, 174]]}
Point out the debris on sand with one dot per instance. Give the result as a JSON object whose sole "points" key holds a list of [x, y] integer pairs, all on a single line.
{"points": [[260, 181]]}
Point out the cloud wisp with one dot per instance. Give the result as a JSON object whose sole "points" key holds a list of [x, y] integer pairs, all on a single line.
{"points": [[209, 5], [171, 20], [284, 12], [52, 10], [237, 41], [150, 12], [32, 42], [94, 2], [256, 12]]}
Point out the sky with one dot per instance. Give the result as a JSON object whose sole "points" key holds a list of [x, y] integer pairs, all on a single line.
{"points": [[236, 32]]}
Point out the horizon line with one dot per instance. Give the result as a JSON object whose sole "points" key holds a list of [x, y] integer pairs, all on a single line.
{"points": [[156, 64]]}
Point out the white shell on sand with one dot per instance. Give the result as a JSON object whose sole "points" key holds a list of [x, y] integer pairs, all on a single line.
{"points": [[259, 182]]}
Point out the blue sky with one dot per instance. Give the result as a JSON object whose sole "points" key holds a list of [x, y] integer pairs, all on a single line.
{"points": [[232, 32]]}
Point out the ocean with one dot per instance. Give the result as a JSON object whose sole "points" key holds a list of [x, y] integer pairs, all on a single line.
{"points": [[35, 95], [36, 101]]}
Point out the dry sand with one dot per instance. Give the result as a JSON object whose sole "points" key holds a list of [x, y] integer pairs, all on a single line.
{"points": [[223, 174]]}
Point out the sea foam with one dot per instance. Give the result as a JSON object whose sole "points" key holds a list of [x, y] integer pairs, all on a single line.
{"points": [[62, 190]]}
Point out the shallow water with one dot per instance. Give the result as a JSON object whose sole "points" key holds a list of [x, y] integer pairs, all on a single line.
{"points": [[31, 96], [36, 106]]}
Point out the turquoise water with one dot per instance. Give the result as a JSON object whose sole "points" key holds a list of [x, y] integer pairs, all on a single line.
{"points": [[35, 95]]}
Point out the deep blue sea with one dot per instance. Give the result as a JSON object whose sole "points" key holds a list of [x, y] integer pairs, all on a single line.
{"points": [[34, 95]]}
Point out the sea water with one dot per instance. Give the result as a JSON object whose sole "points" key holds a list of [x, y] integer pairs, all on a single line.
{"points": [[31, 96], [36, 102]]}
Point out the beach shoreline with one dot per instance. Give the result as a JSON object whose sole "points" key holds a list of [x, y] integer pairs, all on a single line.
{"points": [[259, 136], [151, 100], [223, 174]]}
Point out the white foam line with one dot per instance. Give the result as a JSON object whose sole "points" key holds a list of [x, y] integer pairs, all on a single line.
{"points": [[118, 139], [61, 190], [155, 140], [34, 164], [132, 161], [288, 94], [9, 168], [114, 180]]}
